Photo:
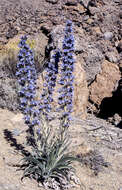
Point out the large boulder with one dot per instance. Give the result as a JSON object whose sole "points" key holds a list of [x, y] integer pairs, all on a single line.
{"points": [[105, 82]]}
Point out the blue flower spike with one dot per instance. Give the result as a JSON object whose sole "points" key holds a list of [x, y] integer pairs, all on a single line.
{"points": [[49, 85], [26, 74], [66, 76]]}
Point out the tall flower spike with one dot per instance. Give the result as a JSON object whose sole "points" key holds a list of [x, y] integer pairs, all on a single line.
{"points": [[27, 76], [66, 76], [49, 84]]}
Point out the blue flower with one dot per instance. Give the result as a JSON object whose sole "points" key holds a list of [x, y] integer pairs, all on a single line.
{"points": [[49, 85], [27, 76], [66, 76]]}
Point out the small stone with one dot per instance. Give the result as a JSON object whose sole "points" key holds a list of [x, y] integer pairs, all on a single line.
{"points": [[80, 9], [71, 2], [11, 33], [90, 21], [97, 30], [86, 3], [3, 40], [85, 18], [52, 1], [112, 57], [117, 119], [108, 35], [93, 10]]}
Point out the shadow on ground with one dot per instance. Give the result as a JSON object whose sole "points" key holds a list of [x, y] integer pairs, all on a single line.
{"points": [[13, 142], [112, 105]]}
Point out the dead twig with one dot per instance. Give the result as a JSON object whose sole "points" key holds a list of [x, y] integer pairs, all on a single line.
{"points": [[96, 128]]}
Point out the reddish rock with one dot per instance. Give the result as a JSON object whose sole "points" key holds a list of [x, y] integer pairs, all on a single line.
{"points": [[105, 82]]}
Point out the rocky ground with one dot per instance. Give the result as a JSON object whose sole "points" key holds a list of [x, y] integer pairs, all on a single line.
{"points": [[98, 83], [96, 142]]}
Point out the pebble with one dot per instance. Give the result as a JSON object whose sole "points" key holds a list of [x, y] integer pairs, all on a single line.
{"points": [[71, 2], [108, 35], [52, 1], [85, 18], [112, 57]]}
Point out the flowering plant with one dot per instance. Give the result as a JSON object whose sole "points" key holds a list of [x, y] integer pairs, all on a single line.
{"points": [[49, 161], [27, 76], [66, 79]]}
